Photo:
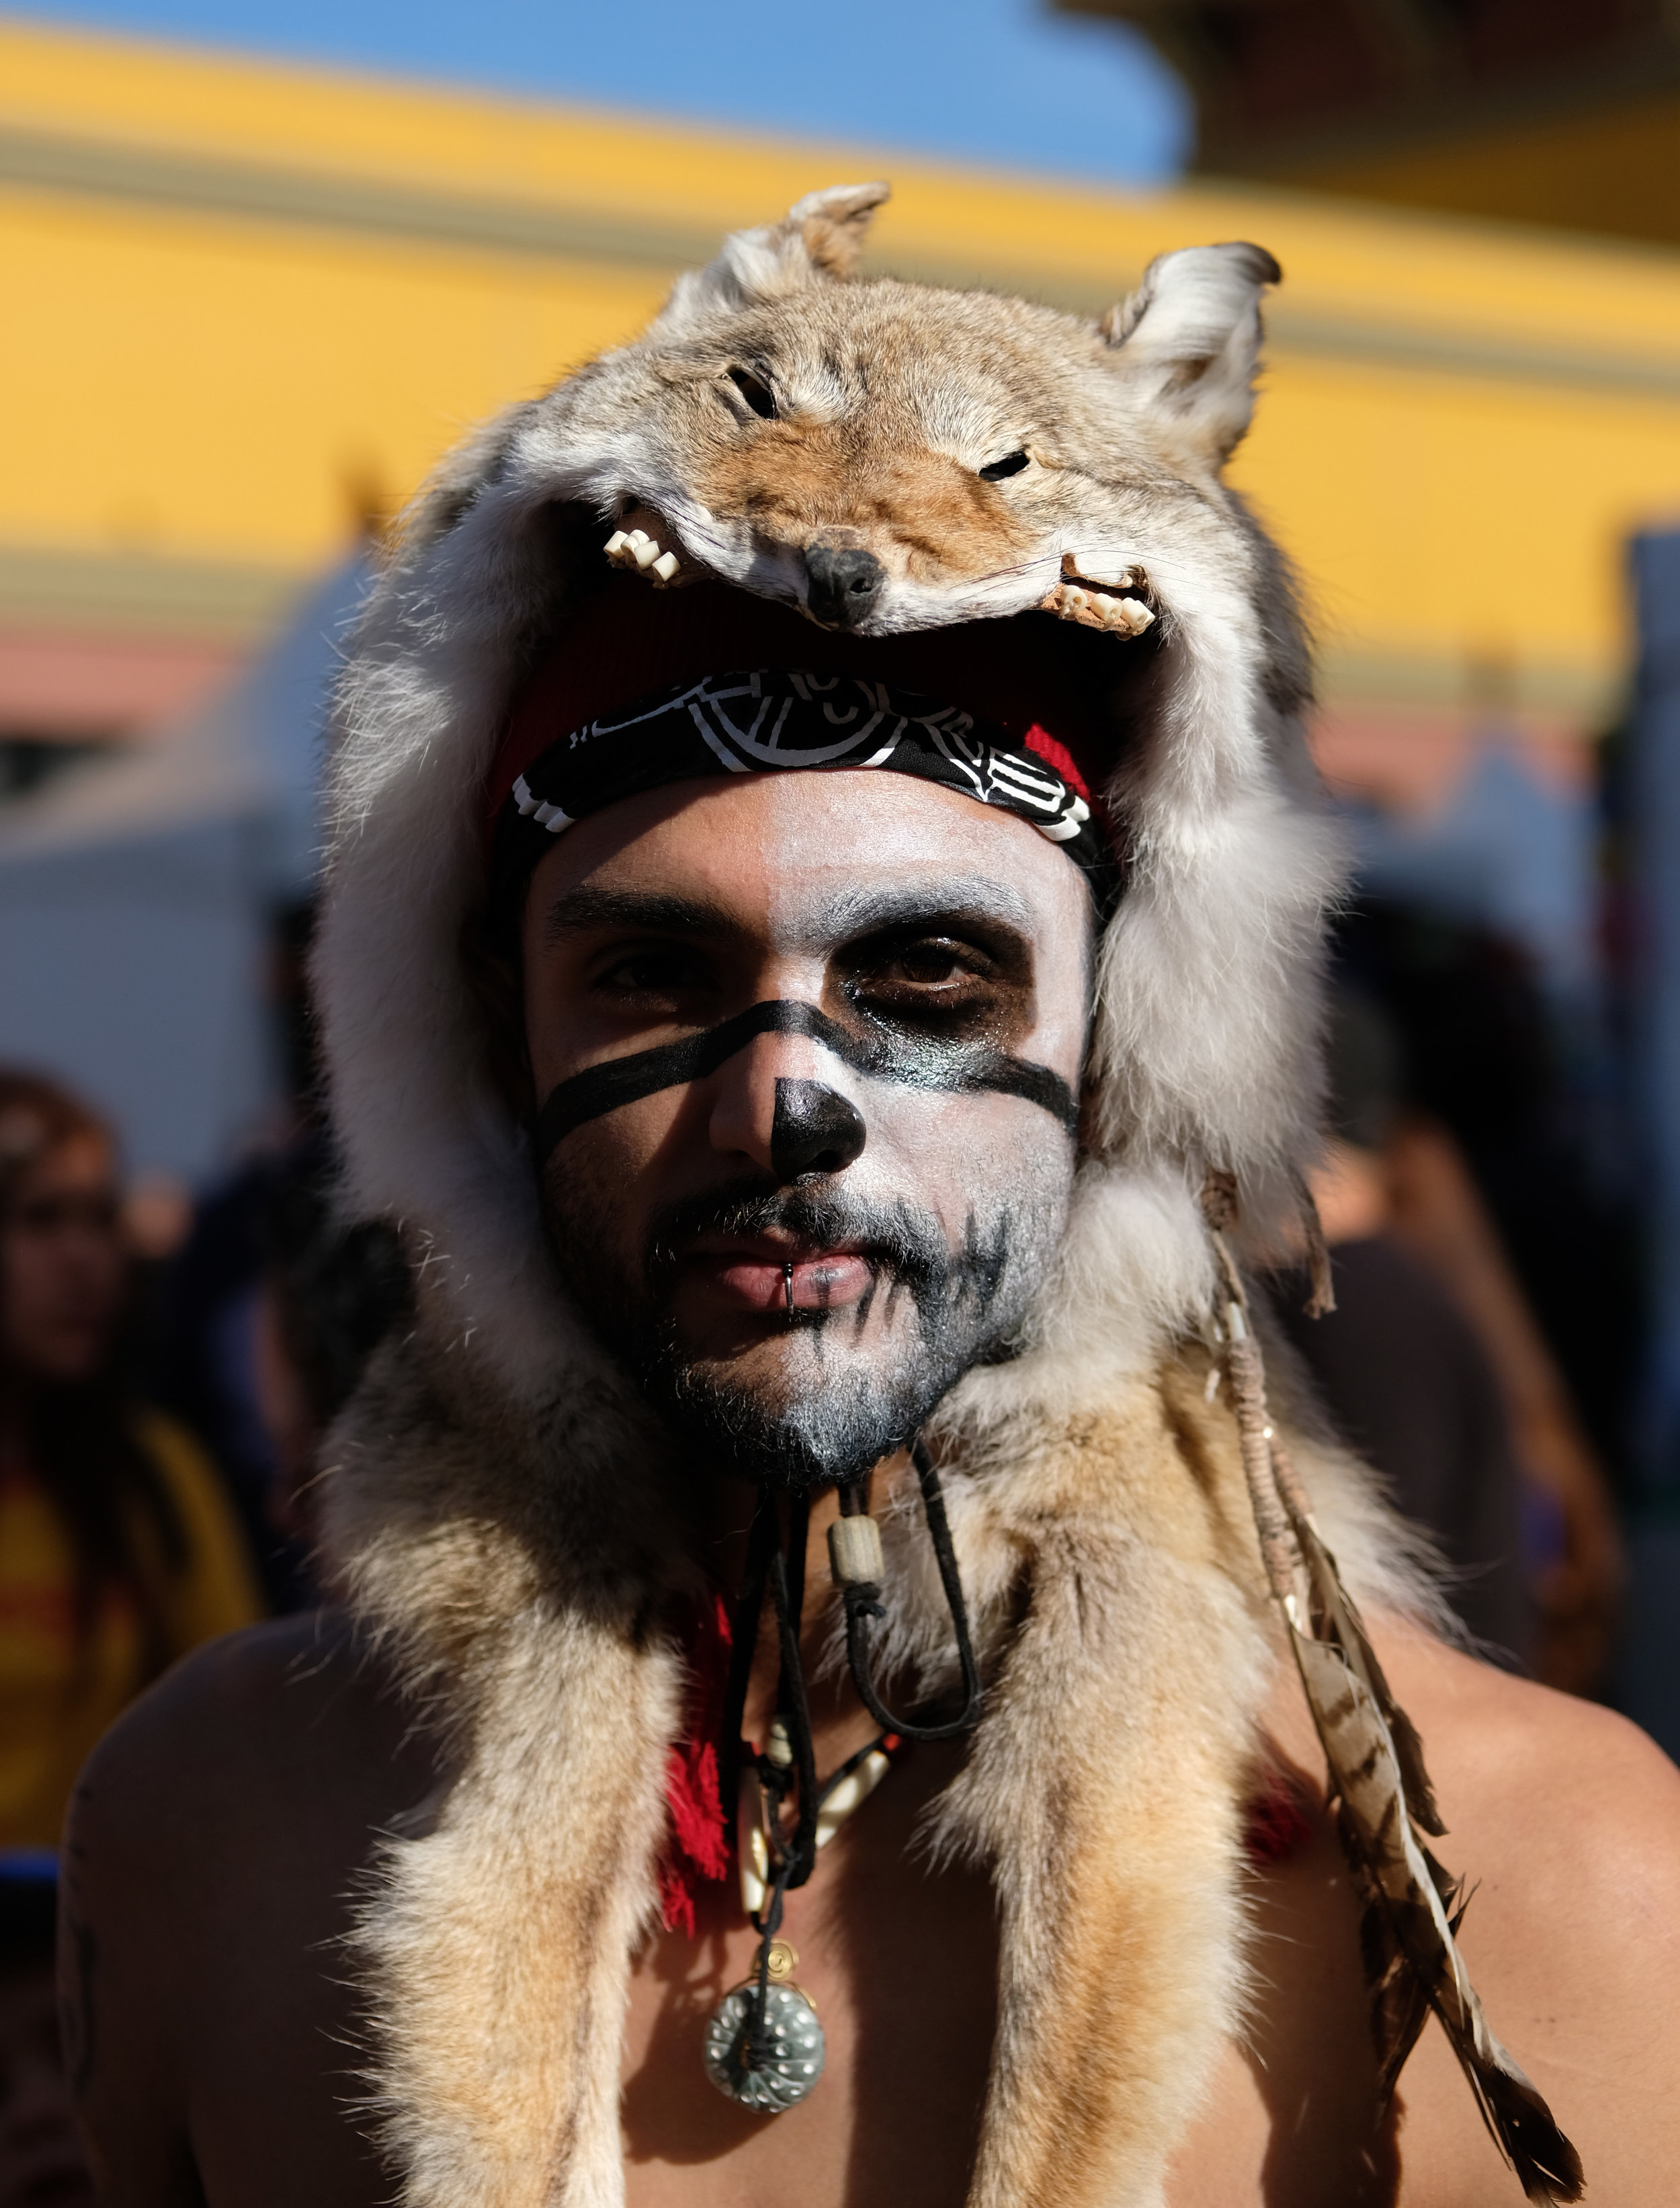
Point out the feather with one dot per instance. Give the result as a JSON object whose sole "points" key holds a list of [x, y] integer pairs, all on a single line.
{"points": [[1384, 1802], [1414, 1893]]}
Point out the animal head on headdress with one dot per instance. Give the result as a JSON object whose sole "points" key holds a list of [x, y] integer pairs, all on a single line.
{"points": [[890, 456], [874, 457]]}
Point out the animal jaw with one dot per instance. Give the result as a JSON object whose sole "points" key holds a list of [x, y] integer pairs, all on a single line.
{"points": [[1094, 591]]}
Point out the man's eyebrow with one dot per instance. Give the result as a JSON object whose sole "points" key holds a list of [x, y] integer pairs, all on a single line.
{"points": [[587, 908], [864, 910]]}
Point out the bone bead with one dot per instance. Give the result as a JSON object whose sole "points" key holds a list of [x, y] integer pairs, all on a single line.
{"points": [[854, 1552]]}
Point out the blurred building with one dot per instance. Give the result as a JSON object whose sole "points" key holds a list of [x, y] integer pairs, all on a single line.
{"points": [[248, 306], [1535, 110]]}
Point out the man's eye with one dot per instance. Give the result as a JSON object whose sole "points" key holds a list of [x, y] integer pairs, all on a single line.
{"points": [[651, 972], [930, 966], [932, 977]]}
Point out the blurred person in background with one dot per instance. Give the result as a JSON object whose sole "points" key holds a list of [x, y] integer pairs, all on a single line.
{"points": [[42, 2163], [1433, 1366], [329, 1294], [273, 1303], [215, 1349], [118, 1552]]}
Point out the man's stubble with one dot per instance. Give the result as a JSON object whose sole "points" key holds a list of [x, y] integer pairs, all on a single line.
{"points": [[861, 1380]]}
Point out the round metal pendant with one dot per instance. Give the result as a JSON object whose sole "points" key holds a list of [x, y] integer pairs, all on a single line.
{"points": [[797, 2049]]}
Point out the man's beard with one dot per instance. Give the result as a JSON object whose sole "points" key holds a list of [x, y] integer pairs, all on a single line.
{"points": [[966, 1307]]}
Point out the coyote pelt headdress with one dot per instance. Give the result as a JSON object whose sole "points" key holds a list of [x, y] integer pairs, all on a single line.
{"points": [[496, 1496]]}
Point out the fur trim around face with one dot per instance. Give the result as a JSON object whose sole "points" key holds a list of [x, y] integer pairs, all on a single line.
{"points": [[494, 1504]]}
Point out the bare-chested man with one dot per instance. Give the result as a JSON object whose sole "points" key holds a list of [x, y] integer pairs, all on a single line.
{"points": [[819, 1119]]}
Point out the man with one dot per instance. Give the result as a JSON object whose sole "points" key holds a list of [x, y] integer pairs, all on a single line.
{"points": [[822, 1025]]}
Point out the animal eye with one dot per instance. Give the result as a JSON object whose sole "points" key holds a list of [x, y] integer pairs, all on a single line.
{"points": [[759, 395], [1010, 465]]}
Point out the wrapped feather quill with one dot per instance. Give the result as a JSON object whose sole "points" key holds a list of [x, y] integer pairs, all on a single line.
{"points": [[1384, 1803]]}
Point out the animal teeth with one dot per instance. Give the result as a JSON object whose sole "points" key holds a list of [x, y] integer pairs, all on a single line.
{"points": [[635, 549], [1130, 614], [1099, 610]]}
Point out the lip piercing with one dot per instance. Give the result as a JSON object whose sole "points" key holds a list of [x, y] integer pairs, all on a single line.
{"points": [[788, 1285]]}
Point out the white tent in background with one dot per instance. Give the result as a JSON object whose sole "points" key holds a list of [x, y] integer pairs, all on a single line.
{"points": [[137, 898]]}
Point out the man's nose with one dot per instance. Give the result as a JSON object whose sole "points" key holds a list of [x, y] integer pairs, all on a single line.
{"points": [[787, 1125], [815, 1131]]}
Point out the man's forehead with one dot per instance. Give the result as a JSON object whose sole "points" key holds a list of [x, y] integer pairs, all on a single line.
{"points": [[802, 860], [800, 916]]}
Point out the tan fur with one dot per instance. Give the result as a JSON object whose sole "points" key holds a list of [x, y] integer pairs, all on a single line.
{"points": [[1104, 1788], [498, 1502], [920, 512]]}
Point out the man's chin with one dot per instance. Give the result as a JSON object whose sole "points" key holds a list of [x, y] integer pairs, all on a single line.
{"points": [[771, 1428]]}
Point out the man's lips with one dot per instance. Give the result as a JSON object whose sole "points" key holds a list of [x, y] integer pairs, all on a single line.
{"points": [[757, 1274]]}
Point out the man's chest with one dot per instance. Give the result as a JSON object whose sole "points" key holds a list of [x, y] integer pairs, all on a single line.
{"points": [[901, 1964]]}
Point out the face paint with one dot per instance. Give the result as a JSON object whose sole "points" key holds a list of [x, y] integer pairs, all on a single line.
{"points": [[815, 1131], [963, 1068], [836, 1409], [807, 1047]]}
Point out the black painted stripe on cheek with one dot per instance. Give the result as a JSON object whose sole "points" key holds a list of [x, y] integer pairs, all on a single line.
{"points": [[964, 1070]]}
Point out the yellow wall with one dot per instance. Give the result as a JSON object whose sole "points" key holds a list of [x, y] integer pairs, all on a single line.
{"points": [[238, 297]]}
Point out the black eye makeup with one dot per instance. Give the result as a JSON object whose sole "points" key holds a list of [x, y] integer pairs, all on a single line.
{"points": [[945, 977]]}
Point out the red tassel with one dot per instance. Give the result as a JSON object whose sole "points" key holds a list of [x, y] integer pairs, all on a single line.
{"points": [[698, 1845]]}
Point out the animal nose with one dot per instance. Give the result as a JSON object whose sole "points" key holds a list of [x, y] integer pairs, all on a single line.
{"points": [[845, 582], [815, 1131]]}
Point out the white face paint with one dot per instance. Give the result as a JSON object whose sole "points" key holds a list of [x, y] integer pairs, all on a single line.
{"points": [[799, 1232]]}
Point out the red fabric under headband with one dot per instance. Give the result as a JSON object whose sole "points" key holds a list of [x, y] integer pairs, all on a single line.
{"points": [[627, 640]]}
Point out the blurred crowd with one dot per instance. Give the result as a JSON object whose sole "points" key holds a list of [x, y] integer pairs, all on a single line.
{"points": [[165, 1389], [165, 1380]]}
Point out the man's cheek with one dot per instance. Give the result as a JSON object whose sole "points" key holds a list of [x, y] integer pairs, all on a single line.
{"points": [[957, 1154], [596, 1208]]}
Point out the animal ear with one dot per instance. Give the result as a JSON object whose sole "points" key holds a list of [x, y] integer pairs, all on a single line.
{"points": [[834, 224], [820, 238], [1191, 332]]}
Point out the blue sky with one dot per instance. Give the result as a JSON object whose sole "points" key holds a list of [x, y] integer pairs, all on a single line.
{"points": [[1000, 81]]}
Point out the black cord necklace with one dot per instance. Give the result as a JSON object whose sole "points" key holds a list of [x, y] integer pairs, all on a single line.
{"points": [[763, 2043]]}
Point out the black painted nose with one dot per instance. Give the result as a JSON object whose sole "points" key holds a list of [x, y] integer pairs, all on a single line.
{"points": [[845, 582], [815, 1131]]}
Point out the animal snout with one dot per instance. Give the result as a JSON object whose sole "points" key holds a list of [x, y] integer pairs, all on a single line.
{"points": [[845, 582]]}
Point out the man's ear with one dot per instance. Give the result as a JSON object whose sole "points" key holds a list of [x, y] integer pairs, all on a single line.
{"points": [[818, 240], [1189, 336]]}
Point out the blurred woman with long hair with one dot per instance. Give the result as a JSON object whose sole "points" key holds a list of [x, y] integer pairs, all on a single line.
{"points": [[117, 1550]]}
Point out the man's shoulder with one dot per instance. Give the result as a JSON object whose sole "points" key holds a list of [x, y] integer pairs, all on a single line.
{"points": [[219, 1836], [295, 1716], [1572, 1781], [1564, 1822]]}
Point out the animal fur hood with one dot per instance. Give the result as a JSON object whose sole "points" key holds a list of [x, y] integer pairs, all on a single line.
{"points": [[495, 1508]]}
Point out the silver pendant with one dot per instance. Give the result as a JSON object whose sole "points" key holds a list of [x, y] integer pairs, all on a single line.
{"points": [[795, 2049]]}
